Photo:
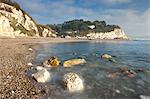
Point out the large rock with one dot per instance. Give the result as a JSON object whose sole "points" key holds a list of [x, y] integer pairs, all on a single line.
{"points": [[52, 62], [116, 34], [73, 82], [42, 75], [15, 22], [72, 62]]}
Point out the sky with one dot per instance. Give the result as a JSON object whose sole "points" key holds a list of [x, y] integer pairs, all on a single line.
{"points": [[133, 16]]}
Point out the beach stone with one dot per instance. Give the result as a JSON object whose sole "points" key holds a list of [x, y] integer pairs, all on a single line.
{"points": [[30, 64], [52, 62], [42, 75], [117, 91], [72, 82], [30, 49], [144, 97], [72, 62], [106, 56]]}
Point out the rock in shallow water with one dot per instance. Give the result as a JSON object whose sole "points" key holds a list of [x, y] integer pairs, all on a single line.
{"points": [[106, 56], [42, 75], [72, 62], [52, 62], [73, 82]]}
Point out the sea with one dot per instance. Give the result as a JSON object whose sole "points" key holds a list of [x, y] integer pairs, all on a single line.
{"points": [[97, 73]]}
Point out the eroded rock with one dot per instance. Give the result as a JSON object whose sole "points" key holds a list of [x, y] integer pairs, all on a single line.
{"points": [[72, 82]]}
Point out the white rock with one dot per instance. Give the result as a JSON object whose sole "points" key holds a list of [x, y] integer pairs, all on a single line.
{"points": [[12, 92], [15, 22], [91, 26], [42, 75], [30, 64], [46, 32], [144, 97], [117, 33], [38, 68], [15, 17], [73, 82], [106, 56], [30, 49], [117, 91]]}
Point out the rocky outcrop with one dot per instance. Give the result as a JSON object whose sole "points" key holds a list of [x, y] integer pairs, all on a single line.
{"points": [[118, 33], [73, 82], [15, 22], [46, 31]]}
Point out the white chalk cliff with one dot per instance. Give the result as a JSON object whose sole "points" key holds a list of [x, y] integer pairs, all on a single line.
{"points": [[15, 22], [117, 33]]}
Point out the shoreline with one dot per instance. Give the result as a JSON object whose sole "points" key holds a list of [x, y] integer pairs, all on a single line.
{"points": [[41, 40], [14, 57]]}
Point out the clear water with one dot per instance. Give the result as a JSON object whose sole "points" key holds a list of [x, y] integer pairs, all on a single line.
{"points": [[131, 54]]}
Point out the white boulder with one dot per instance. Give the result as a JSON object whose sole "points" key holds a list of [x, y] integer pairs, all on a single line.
{"points": [[42, 75], [73, 82]]}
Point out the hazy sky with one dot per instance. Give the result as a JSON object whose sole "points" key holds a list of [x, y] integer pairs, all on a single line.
{"points": [[132, 15]]}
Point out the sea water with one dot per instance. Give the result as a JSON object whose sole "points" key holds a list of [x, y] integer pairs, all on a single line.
{"points": [[130, 54]]}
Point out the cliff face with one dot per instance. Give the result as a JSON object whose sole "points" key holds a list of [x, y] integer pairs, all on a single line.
{"points": [[15, 22], [46, 31], [116, 34]]}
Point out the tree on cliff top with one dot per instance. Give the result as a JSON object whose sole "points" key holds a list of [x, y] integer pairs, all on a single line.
{"points": [[80, 27]]}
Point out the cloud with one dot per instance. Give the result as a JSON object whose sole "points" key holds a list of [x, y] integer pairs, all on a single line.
{"points": [[135, 24]]}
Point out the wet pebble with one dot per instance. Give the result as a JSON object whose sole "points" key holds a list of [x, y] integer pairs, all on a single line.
{"points": [[12, 92], [117, 91], [144, 97]]}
